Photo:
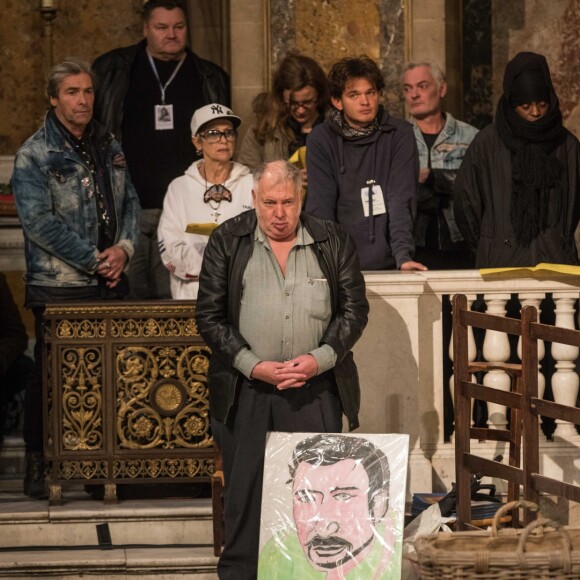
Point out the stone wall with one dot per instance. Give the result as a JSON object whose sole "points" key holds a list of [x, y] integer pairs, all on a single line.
{"points": [[550, 28], [329, 31], [262, 31], [81, 28]]}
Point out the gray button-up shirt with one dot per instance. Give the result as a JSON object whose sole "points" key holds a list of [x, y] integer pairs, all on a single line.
{"points": [[284, 317]]}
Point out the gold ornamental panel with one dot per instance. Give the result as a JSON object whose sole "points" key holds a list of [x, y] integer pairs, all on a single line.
{"points": [[125, 394], [168, 397], [81, 370], [83, 329], [158, 467], [162, 397], [153, 327], [72, 470]]}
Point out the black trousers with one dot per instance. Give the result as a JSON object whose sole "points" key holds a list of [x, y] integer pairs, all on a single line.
{"points": [[260, 408], [12, 382], [32, 429]]}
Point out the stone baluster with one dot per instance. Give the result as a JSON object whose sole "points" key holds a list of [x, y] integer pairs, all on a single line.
{"points": [[565, 380], [471, 352], [496, 348], [535, 299]]}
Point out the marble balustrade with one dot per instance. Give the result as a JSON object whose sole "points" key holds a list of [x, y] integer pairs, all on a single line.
{"points": [[401, 362]]}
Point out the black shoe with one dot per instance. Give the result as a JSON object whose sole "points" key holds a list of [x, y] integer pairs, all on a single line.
{"points": [[34, 484]]}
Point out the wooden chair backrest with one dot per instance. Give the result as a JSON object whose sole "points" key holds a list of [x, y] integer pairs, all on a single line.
{"points": [[526, 408]]}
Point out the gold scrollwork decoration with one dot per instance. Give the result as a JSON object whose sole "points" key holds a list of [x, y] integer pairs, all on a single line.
{"points": [[155, 468], [154, 327], [84, 469], [167, 397], [82, 398], [49, 394], [128, 310], [67, 329], [126, 393], [162, 397]]}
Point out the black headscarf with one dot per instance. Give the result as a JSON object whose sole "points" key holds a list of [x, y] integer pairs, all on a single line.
{"points": [[536, 171]]}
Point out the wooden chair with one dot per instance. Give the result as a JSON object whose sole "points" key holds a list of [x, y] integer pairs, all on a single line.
{"points": [[467, 463], [526, 408]]}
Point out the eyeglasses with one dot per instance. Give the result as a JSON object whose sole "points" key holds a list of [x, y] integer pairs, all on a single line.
{"points": [[214, 136], [304, 104]]}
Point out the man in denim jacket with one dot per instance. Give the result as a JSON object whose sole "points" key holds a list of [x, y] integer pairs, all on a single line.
{"points": [[79, 212], [442, 142]]}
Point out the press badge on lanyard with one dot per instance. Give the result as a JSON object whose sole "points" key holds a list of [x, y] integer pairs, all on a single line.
{"points": [[163, 112], [163, 117], [378, 200]]}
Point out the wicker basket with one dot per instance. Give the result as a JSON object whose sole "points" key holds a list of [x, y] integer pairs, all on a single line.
{"points": [[543, 550]]}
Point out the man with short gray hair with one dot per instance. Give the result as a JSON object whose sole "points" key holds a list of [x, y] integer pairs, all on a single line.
{"points": [[281, 303], [79, 212], [442, 141]]}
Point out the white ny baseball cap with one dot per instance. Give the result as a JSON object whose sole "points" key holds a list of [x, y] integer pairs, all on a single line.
{"points": [[211, 113]]}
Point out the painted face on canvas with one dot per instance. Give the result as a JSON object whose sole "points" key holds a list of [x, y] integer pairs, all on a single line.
{"points": [[331, 512]]}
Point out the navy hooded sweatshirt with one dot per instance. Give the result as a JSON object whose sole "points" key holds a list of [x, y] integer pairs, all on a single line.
{"points": [[338, 169]]}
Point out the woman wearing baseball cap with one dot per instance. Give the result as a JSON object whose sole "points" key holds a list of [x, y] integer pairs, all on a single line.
{"points": [[212, 190]]}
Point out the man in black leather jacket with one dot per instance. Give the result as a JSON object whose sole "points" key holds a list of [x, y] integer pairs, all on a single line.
{"points": [[146, 95], [281, 303]]}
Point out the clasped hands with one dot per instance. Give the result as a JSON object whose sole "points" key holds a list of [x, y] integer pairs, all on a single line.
{"points": [[289, 374], [112, 262]]}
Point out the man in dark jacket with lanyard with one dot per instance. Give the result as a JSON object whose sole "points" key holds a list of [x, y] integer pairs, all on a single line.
{"points": [[281, 303], [363, 168], [146, 95]]}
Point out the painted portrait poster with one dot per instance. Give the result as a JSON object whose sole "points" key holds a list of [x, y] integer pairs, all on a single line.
{"points": [[333, 506]]}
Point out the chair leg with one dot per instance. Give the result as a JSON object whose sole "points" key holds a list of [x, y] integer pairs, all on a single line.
{"points": [[217, 500], [515, 447]]}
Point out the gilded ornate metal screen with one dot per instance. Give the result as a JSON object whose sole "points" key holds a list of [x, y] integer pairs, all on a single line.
{"points": [[125, 395]]}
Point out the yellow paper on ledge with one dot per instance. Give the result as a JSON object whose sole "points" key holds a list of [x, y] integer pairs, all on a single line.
{"points": [[299, 158], [521, 272], [202, 229]]}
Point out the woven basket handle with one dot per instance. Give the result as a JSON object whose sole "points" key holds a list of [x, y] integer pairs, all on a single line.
{"points": [[508, 507], [559, 559]]}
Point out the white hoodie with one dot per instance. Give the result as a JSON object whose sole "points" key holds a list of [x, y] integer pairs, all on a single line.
{"points": [[182, 252]]}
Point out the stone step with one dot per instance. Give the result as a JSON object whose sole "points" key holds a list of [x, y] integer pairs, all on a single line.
{"points": [[168, 538], [168, 521], [141, 563], [12, 458], [161, 538]]}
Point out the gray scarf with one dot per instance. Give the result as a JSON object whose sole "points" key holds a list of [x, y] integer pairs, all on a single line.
{"points": [[350, 132]]}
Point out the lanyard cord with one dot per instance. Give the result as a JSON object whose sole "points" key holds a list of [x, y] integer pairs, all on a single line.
{"points": [[370, 183], [169, 81]]}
